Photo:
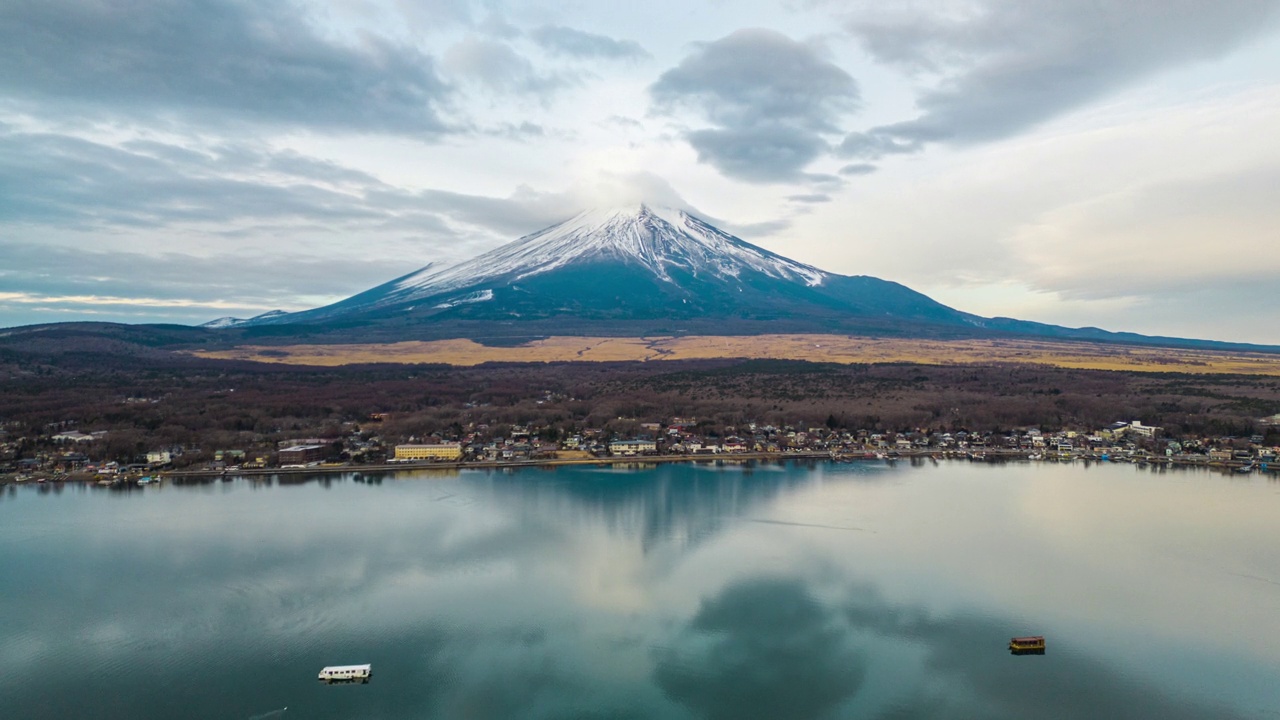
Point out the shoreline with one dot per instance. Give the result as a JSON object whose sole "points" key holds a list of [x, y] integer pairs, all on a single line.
{"points": [[989, 456]]}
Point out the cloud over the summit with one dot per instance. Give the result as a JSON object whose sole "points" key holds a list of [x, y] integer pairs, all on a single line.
{"points": [[999, 67], [206, 62], [770, 101]]}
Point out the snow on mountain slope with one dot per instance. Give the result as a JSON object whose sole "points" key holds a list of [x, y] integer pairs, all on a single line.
{"points": [[228, 322], [655, 238], [222, 322]]}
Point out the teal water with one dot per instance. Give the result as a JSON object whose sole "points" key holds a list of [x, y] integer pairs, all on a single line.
{"points": [[681, 591]]}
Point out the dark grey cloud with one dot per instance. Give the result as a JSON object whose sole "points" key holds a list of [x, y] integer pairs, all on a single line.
{"points": [[767, 649], [1003, 66], [67, 181], [577, 43], [212, 62], [63, 181], [761, 153], [770, 101]]}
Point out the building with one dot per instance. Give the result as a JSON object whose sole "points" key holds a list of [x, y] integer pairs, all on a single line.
{"points": [[439, 451], [632, 447], [303, 454], [74, 436], [1147, 431]]}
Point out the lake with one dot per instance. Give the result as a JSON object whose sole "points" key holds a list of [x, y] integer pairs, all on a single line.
{"points": [[790, 591]]}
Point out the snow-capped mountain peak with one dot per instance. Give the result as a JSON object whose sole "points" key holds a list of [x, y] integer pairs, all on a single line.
{"points": [[657, 238], [638, 259]]}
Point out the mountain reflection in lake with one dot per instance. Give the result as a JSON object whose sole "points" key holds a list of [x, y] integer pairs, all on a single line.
{"points": [[678, 591]]}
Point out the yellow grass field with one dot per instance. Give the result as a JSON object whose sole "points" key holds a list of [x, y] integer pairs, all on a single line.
{"points": [[816, 348]]}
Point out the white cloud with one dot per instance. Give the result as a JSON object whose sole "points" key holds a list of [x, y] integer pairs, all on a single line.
{"points": [[1134, 203]]}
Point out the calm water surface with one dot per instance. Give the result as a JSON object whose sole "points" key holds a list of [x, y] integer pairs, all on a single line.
{"points": [[683, 591]]}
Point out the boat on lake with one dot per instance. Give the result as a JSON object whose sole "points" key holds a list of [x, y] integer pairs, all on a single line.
{"points": [[346, 673], [1028, 645]]}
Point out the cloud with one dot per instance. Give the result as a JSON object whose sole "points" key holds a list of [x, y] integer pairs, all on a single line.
{"points": [[1003, 66], [527, 210], [524, 211], [577, 43], [497, 26], [810, 198], [206, 62], [981, 683], [64, 181], [857, 169], [770, 101], [497, 66], [765, 649], [426, 16], [1034, 228], [67, 181], [762, 153], [769, 648]]}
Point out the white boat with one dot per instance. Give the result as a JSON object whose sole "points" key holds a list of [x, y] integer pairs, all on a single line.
{"points": [[346, 673]]}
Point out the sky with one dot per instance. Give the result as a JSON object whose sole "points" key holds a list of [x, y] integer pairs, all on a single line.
{"points": [[1087, 164]]}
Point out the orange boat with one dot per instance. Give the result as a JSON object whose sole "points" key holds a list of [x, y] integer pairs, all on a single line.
{"points": [[1030, 645]]}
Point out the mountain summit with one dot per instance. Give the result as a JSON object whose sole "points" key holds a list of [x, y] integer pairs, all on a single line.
{"points": [[657, 239], [640, 269]]}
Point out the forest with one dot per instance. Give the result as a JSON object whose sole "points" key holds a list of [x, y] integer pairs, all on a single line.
{"points": [[172, 401]]}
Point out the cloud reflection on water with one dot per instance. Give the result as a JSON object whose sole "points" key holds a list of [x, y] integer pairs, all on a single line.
{"points": [[538, 595]]}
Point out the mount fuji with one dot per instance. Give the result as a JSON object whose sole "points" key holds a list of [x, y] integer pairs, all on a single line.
{"points": [[643, 270], [633, 269]]}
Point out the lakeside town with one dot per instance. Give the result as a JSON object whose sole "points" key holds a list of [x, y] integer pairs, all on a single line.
{"points": [[71, 454]]}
